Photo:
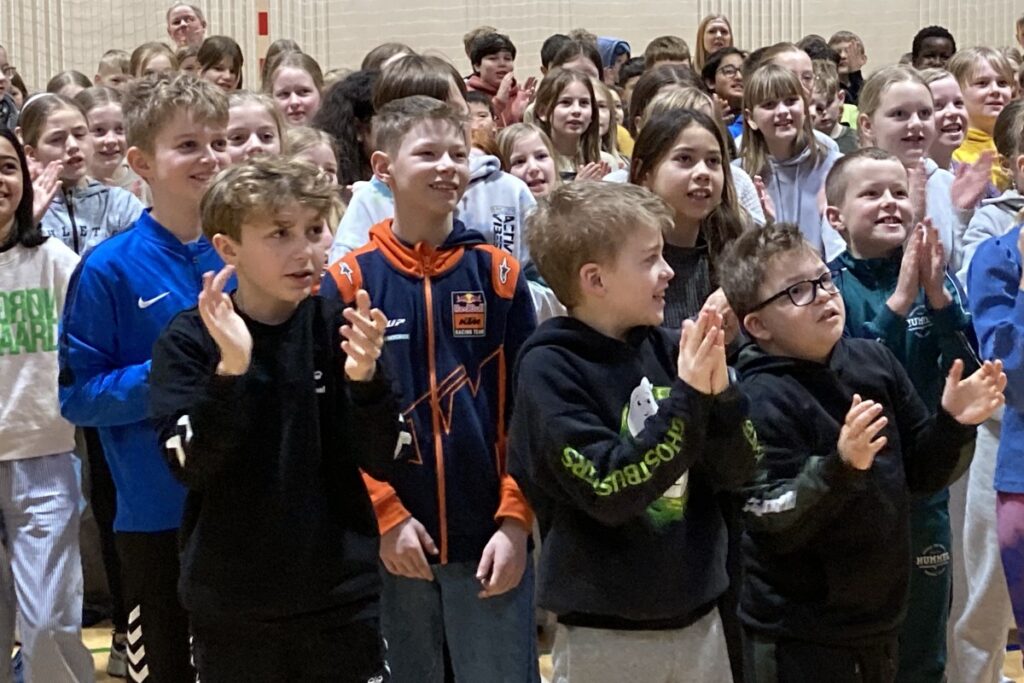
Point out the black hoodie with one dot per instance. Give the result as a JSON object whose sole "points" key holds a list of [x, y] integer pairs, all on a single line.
{"points": [[628, 543], [827, 547]]}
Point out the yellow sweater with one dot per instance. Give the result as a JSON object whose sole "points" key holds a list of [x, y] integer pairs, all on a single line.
{"points": [[624, 141], [978, 141]]}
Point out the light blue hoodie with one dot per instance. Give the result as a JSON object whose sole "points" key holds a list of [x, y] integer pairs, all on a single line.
{"points": [[85, 216], [995, 218]]}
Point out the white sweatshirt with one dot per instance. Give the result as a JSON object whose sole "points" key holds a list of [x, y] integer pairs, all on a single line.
{"points": [[33, 283]]}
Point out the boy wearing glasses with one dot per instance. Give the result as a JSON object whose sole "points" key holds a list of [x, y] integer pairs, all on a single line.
{"points": [[896, 290], [846, 440]]}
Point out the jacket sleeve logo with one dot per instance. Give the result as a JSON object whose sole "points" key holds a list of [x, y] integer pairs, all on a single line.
{"points": [[469, 314]]}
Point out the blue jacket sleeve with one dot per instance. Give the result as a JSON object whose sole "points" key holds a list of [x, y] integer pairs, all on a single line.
{"points": [[997, 306], [96, 390]]}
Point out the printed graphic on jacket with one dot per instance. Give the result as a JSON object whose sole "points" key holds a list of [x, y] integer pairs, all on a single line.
{"points": [[503, 223], [28, 322], [643, 403]]}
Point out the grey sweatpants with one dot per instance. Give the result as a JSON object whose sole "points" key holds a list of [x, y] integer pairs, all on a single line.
{"points": [[978, 642], [695, 654]]}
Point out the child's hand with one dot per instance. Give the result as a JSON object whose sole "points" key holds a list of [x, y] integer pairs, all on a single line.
{"points": [[918, 181], [501, 97], [971, 181], [504, 559], [857, 443], [593, 171], [730, 323], [932, 265], [45, 187], [767, 205], [528, 89], [364, 338], [402, 550], [909, 282], [224, 324], [702, 352], [973, 400]]}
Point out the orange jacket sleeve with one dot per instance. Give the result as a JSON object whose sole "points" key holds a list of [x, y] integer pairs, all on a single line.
{"points": [[389, 509]]}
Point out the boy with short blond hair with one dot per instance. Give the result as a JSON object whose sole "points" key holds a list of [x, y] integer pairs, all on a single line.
{"points": [[114, 70], [454, 524], [666, 50], [122, 295], [622, 435], [847, 440], [828, 98], [267, 403]]}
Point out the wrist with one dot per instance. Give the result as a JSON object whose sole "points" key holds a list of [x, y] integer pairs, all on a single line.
{"points": [[899, 304], [232, 367], [515, 526], [938, 300], [361, 375]]}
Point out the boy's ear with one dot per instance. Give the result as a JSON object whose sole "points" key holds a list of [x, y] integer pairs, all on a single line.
{"points": [[139, 162], [835, 218], [380, 162], [96, 79], [755, 327], [841, 96], [864, 125], [1018, 163], [227, 248], [590, 280]]}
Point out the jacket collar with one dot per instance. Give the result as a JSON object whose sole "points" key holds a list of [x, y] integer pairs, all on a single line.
{"points": [[423, 259]]}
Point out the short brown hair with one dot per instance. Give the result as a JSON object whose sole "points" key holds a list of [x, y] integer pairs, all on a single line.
{"points": [[263, 185], [826, 79], [417, 75], [396, 118], [666, 49], [143, 54], [839, 176], [116, 60], [586, 222], [151, 102], [746, 260], [470, 36]]}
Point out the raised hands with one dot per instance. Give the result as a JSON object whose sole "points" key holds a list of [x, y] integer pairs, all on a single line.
{"points": [[908, 284], [363, 338], [701, 362], [595, 170], [730, 323], [45, 185], [972, 180], [224, 324], [858, 444], [932, 265], [973, 400]]}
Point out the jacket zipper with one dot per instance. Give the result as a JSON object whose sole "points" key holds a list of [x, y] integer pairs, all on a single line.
{"points": [[74, 225], [435, 411]]}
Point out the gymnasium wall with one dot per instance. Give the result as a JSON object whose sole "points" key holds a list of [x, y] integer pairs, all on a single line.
{"points": [[44, 36]]}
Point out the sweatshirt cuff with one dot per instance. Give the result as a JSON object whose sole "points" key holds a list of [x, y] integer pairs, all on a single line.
{"points": [[948, 424], [512, 504], [839, 476], [389, 509], [888, 324], [950, 319], [373, 391]]}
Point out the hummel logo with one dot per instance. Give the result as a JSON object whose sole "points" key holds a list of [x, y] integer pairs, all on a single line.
{"points": [[144, 304]]}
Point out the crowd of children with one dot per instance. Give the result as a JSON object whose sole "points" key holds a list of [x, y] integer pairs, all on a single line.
{"points": [[366, 374]]}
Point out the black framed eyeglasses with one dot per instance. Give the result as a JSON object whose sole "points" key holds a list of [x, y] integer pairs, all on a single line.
{"points": [[729, 71], [804, 293]]}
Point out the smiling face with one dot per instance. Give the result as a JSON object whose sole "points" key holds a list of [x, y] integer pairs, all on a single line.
{"points": [[904, 123], [106, 127], [224, 74], [429, 170], [634, 284], [296, 95], [493, 68], [783, 329], [252, 131], [531, 162], [986, 94], [729, 80], [186, 154], [690, 177], [875, 214], [64, 138], [11, 186], [950, 114], [780, 122]]}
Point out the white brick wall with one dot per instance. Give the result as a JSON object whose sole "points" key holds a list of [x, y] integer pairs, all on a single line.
{"points": [[45, 36]]}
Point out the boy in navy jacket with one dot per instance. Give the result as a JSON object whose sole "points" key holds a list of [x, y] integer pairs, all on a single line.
{"points": [[120, 298], [454, 525]]}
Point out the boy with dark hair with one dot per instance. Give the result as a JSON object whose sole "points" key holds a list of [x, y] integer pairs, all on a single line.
{"points": [[267, 403], [846, 440], [493, 56], [454, 524], [551, 46], [933, 47], [120, 298], [896, 290], [621, 437]]}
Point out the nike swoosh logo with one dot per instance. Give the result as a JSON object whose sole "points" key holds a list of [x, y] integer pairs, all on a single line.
{"points": [[149, 302]]}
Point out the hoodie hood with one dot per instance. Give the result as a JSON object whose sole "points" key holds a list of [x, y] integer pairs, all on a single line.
{"points": [[482, 166], [423, 259], [478, 84], [85, 216], [610, 48], [1010, 201], [752, 359]]}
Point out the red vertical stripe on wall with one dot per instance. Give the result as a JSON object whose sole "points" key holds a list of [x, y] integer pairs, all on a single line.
{"points": [[263, 22]]}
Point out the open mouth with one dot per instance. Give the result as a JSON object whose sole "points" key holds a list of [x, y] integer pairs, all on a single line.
{"points": [[954, 127], [302, 278], [702, 194], [444, 186], [536, 182], [915, 139], [893, 221]]}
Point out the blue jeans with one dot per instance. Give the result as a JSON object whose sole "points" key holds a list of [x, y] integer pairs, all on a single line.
{"points": [[489, 639]]}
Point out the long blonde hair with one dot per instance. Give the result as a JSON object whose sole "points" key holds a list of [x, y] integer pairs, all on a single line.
{"points": [[700, 55], [768, 83]]}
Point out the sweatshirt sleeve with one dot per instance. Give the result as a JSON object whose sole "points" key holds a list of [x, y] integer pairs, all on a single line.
{"points": [[730, 458], [129, 210], [199, 415], [797, 489], [997, 308], [374, 426], [933, 453], [609, 476], [983, 225], [95, 389], [954, 332]]}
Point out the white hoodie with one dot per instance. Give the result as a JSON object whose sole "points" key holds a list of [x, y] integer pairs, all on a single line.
{"points": [[33, 283]]}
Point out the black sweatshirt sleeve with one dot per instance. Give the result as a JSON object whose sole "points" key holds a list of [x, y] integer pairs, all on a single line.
{"points": [[731, 454], [796, 491], [609, 476], [933, 444], [199, 415], [373, 426]]}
